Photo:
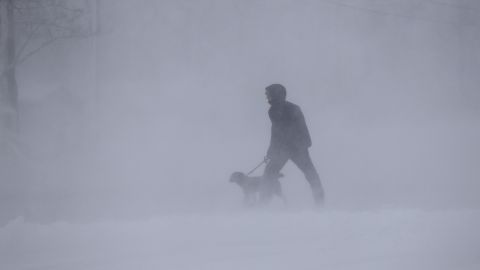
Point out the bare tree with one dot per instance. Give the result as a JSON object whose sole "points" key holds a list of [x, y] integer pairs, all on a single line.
{"points": [[26, 27]]}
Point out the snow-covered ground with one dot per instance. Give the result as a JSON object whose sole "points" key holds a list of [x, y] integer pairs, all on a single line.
{"points": [[384, 239]]}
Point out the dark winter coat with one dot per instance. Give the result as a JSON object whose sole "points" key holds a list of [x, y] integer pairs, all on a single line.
{"points": [[289, 129]]}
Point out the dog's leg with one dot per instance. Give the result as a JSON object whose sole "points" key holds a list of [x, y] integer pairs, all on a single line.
{"points": [[249, 199], [246, 199], [266, 191]]}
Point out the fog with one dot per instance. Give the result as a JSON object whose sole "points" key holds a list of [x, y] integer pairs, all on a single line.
{"points": [[134, 131], [155, 112]]}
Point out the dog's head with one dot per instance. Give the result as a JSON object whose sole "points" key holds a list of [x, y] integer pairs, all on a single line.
{"points": [[237, 177]]}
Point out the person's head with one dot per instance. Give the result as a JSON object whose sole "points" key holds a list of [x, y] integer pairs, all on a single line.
{"points": [[276, 94]]}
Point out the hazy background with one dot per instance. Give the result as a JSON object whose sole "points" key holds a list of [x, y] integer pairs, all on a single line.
{"points": [[153, 115]]}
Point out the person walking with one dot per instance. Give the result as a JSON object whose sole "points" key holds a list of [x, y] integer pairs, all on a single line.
{"points": [[290, 140]]}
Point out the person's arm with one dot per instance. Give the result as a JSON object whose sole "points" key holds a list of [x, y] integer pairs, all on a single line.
{"points": [[273, 142], [302, 127], [275, 137]]}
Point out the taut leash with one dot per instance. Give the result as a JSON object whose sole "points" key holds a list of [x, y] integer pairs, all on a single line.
{"points": [[258, 166]]}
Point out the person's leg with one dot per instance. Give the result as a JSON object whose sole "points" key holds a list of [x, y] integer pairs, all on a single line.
{"points": [[270, 176], [304, 163]]}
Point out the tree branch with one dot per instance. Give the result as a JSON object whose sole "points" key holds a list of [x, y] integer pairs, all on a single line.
{"points": [[25, 44], [64, 24], [43, 45]]}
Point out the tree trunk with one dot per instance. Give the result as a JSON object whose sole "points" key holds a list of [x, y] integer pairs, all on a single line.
{"points": [[8, 80]]}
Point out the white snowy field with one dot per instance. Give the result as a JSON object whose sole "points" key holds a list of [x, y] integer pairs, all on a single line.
{"points": [[387, 239]]}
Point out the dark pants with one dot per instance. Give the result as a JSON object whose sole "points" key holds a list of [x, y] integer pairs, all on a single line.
{"points": [[302, 159]]}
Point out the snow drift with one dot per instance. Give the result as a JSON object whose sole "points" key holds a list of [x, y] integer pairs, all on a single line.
{"points": [[387, 239]]}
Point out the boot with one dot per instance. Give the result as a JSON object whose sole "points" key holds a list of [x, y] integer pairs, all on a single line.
{"points": [[318, 194]]}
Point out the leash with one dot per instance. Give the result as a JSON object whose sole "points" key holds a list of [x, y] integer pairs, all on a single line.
{"points": [[258, 166]]}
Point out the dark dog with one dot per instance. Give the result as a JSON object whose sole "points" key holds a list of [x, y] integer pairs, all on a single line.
{"points": [[256, 189]]}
